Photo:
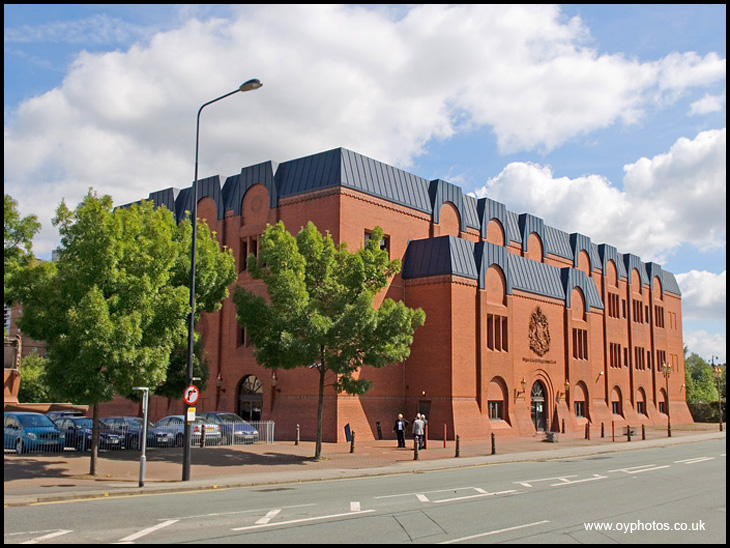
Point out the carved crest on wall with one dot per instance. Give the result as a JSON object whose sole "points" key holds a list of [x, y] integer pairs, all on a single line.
{"points": [[539, 333]]}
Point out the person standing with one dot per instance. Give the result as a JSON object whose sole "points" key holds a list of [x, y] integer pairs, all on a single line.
{"points": [[418, 431], [400, 430]]}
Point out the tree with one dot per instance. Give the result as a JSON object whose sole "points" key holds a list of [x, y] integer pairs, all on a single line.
{"points": [[114, 305], [19, 234], [34, 386], [320, 309], [699, 379]]}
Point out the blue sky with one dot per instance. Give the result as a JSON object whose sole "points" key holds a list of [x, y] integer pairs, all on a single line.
{"points": [[603, 119]]}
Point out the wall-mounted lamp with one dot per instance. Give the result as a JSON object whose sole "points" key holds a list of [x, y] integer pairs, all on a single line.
{"points": [[523, 384]]}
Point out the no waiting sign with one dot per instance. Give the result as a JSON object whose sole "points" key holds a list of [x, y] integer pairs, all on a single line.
{"points": [[191, 394]]}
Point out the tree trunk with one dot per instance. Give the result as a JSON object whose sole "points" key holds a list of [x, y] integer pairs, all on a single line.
{"points": [[94, 440], [320, 408]]}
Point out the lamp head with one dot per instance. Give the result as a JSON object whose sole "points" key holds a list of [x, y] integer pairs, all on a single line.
{"points": [[250, 85]]}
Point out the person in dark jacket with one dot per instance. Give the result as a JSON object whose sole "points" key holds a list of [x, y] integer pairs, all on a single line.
{"points": [[400, 430]]}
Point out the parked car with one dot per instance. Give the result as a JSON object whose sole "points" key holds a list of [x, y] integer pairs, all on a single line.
{"points": [[25, 431], [175, 424], [79, 430], [234, 430], [53, 415], [130, 428]]}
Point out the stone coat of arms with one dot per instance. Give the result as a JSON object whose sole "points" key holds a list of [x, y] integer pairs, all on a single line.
{"points": [[539, 333]]}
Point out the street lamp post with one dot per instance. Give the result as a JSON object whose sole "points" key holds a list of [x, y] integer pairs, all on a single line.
{"points": [[246, 86], [667, 369], [145, 406]]}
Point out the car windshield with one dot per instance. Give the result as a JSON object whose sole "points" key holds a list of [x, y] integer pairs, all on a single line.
{"points": [[35, 420], [83, 423], [230, 417]]}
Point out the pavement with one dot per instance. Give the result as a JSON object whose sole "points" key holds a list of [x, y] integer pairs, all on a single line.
{"points": [[44, 478]]}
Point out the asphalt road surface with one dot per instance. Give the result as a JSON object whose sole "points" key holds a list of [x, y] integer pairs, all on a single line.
{"points": [[672, 495]]}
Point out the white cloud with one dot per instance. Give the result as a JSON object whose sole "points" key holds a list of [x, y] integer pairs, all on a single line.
{"points": [[704, 295], [706, 344], [674, 198], [708, 103], [379, 81]]}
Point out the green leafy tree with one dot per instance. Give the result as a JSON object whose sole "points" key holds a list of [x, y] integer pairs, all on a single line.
{"points": [[113, 307], [699, 380], [19, 232], [320, 309], [34, 386]]}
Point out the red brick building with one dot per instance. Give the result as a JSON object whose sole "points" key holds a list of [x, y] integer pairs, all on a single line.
{"points": [[527, 328]]}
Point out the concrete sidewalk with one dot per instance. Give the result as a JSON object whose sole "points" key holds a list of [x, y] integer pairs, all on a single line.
{"points": [[37, 478]]}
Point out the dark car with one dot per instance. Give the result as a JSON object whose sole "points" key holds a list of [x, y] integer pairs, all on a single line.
{"points": [[234, 430], [130, 428], [175, 425], [25, 431], [79, 430]]}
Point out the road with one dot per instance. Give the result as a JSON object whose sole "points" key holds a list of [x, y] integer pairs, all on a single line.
{"points": [[674, 494]]}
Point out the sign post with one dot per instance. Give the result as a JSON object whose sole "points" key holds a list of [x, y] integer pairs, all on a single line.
{"points": [[190, 397], [143, 459]]}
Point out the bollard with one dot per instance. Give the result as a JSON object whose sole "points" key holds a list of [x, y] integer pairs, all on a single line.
{"points": [[202, 437], [613, 430], [643, 432], [352, 442], [628, 432], [588, 430], [494, 444], [563, 425], [444, 436], [296, 440], [458, 441], [603, 431], [380, 431], [416, 443]]}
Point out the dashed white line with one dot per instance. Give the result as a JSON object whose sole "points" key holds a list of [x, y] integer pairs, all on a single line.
{"points": [[147, 531], [48, 536], [303, 520], [693, 461], [640, 469], [271, 514], [506, 530], [355, 506]]}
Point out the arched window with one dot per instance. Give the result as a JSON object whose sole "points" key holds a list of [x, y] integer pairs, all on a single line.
{"points": [[538, 406], [250, 398]]}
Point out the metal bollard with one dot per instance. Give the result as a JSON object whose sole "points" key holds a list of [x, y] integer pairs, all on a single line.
{"points": [[494, 444], [296, 440], [603, 431], [588, 430], [643, 432], [352, 442], [202, 437], [416, 443], [563, 425], [458, 450], [628, 432]]}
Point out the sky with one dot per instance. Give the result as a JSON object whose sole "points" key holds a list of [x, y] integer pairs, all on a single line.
{"points": [[608, 120]]}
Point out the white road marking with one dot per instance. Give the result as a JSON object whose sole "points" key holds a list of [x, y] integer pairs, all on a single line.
{"points": [[528, 483], [506, 530], [693, 461], [147, 531], [636, 469], [55, 534], [269, 516], [422, 497], [355, 506], [303, 520], [571, 482], [483, 494]]}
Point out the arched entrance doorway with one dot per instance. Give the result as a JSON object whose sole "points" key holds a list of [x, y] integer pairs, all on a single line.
{"points": [[250, 398], [538, 408]]}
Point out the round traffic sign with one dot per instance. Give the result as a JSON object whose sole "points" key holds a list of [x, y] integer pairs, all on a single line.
{"points": [[191, 394]]}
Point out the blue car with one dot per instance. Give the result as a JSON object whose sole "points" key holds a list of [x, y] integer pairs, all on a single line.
{"points": [[234, 430], [25, 431], [79, 430]]}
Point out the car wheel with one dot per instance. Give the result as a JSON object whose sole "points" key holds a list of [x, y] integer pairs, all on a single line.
{"points": [[19, 449]]}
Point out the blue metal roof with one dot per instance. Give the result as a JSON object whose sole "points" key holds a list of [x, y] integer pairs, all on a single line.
{"points": [[341, 167]]}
